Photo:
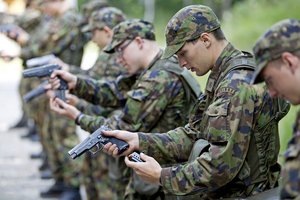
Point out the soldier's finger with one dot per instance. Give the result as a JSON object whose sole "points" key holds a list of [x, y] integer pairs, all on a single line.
{"points": [[106, 147]]}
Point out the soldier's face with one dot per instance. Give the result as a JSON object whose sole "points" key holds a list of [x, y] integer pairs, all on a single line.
{"points": [[51, 7], [195, 57], [282, 79], [128, 54], [100, 37]]}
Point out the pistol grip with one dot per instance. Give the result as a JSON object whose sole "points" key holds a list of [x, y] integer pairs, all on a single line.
{"points": [[122, 145], [61, 94]]}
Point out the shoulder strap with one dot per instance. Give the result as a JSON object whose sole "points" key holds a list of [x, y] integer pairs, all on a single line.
{"points": [[188, 79], [172, 65], [244, 61]]}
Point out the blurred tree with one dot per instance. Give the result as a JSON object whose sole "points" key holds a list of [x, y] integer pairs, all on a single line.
{"points": [[149, 7]]}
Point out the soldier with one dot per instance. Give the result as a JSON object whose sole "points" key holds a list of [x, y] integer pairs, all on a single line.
{"points": [[277, 54], [159, 100], [95, 170], [62, 37], [229, 127], [24, 26], [90, 6]]}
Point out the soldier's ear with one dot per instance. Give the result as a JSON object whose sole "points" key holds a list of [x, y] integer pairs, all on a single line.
{"points": [[139, 41], [205, 38], [291, 61]]}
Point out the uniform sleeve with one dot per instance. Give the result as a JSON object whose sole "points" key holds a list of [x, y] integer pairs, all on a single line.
{"points": [[101, 92], [171, 147], [91, 109], [148, 100], [145, 103], [291, 171]]}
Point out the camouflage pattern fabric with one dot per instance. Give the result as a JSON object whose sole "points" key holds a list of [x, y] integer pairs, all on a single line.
{"points": [[227, 121], [128, 30], [90, 6], [29, 19], [155, 93], [290, 172], [60, 36], [107, 68], [95, 168], [182, 27], [109, 16], [156, 102], [283, 36]]}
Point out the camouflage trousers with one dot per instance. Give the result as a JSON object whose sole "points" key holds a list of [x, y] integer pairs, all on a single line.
{"points": [[60, 136]]}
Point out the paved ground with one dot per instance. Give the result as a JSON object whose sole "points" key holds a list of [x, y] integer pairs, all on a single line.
{"points": [[19, 175]]}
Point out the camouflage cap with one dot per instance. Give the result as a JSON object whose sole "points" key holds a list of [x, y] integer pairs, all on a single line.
{"points": [[130, 29], [93, 5], [108, 16], [281, 37], [188, 24]]}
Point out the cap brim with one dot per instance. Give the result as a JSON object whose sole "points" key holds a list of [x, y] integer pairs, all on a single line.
{"points": [[86, 28], [110, 48], [171, 50], [256, 78]]}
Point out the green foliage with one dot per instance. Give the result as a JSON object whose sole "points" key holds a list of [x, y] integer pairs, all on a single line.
{"points": [[250, 18]]}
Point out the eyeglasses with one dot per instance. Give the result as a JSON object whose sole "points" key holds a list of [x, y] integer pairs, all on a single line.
{"points": [[122, 47]]}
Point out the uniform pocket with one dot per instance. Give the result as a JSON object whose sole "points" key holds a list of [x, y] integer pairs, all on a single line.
{"points": [[218, 122]]}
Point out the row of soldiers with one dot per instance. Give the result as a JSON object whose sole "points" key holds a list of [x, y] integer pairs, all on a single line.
{"points": [[222, 143]]}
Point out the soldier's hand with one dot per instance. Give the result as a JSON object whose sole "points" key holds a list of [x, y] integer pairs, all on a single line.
{"points": [[72, 99], [59, 106], [149, 170], [17, 34], [131, 138], [68, 77]]}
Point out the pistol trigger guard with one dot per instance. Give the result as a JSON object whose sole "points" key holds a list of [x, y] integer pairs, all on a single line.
{"points": [[98, 149]]}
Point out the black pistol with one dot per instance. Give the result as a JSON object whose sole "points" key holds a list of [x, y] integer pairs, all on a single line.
{"points": [[39, 61], [98, 140], [47, 70], [39, 90]]}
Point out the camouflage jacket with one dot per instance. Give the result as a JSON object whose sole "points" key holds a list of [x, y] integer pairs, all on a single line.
{"points": [[29, 20], [290, 172], [156, 101], [60, 36], [227, 123], [107, 68]]}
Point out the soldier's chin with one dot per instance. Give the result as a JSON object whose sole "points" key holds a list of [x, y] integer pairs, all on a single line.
{"points": [[294, 102], [292, 99]]}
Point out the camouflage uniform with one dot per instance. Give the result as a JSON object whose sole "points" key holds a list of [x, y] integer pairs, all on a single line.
{"points": [[95, 169], [66, 41], [229, 127], [156, 102], [90, 6], [282, 37], [31, 21], [61, 37]]}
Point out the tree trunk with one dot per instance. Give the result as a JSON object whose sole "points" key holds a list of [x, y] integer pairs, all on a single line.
{"points": [[149, 10]]}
